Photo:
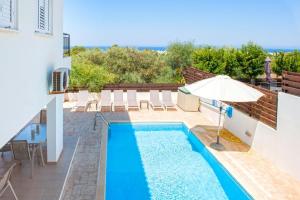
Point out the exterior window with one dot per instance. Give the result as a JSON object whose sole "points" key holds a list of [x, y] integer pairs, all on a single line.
{"points": [[44, 16], [8, 10]]}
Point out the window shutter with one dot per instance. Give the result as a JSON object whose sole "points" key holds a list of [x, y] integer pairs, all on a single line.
{"points": [[43, 15], [6, 13]]}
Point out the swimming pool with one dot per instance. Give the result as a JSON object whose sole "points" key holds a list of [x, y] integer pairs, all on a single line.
{"points": [[164, 161]]}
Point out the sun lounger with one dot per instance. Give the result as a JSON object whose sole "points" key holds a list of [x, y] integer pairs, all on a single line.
{"points": [[82, 100], [167, 100], [119, 105], [155, 101], [105, 101], [132, 101]]}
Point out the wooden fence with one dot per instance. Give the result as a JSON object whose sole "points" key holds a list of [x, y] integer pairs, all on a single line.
{"points": [[192, 75], [291, 83], [140, 87], [265, 109], [143, 87]]}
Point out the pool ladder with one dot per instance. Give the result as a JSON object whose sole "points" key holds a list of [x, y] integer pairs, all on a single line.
{"points": [[97, 115]]}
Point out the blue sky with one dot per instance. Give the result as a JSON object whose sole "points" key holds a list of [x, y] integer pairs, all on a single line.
{"points": [[270, 23]]}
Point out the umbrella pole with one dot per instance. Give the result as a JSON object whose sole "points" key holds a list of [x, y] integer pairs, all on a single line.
{"points": [[217, 145], [219, 127]]}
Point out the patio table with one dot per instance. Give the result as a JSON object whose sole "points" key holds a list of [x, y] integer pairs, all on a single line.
{"points": [[144, 101], [35, 139]]}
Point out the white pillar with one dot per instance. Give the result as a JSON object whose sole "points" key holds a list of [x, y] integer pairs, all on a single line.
{"points": [[55, 128]]}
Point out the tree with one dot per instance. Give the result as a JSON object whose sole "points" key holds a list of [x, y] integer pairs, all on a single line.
{"points": [[121, 61], [292, 60], [179, 55], [134, 66], [94, 56], [208, 59], [151, 65], [278, 63], [167, 75], [251, 59], [90, 76], [289, 61], [77, 49], [216, 60], [89, 72]]}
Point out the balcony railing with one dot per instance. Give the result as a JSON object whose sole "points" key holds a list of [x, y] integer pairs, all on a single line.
{"points": [[67, 45]]}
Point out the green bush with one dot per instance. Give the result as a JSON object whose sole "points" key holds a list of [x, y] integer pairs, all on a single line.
{"points": [[217, 60], [286, 62], [94, 56], [86, 74], [94, 68], [279, 63], [168, 75], [251, 59], [247, 62], [76, 50], [179, 55], [131, 65]]}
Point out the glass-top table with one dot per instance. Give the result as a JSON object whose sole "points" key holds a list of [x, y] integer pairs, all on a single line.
{"points": [[35, 135], [32, 134]]}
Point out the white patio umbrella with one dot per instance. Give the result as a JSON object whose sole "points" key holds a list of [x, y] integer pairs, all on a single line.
{"points": [[223, 88]]}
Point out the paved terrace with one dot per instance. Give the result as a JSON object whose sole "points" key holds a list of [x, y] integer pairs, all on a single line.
{"points": [[260, 178]]}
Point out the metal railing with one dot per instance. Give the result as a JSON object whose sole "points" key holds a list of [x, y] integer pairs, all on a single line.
{"points": [[97, 115], [67, 45]]}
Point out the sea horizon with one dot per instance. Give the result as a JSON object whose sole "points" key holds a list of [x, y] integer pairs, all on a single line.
{"points": [[164, 48]]}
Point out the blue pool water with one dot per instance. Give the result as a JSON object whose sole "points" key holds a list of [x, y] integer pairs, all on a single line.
{"points": [[164, 161]]}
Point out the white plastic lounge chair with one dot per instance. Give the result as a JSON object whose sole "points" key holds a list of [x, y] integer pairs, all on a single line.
{"points": [[167, 100], [119, 105], [5, 182], [105, 101], [131, 100], [155, 101], [82, 100]]}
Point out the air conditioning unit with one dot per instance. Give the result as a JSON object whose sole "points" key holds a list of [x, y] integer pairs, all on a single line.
{"points": [[60, 80]]}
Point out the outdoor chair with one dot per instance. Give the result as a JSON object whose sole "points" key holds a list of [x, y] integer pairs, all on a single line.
{"points": [[6, 148], [82, 100], [22, 152], [132, 100], [5, 182], [155, 101], [167, 100], [119, 105], [43, 116], [105, 101]]}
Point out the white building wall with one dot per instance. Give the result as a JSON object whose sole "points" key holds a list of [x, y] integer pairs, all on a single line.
{"points": [[212, 113], [26, 62], [281, 145], [55, 128]]}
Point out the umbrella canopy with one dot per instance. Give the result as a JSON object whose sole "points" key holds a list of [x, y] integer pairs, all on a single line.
{"points": [[224, 88]]}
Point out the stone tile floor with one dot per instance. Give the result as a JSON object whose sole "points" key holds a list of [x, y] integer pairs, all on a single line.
{"points": [[261, 178], [82, 180], [47, 182]]}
